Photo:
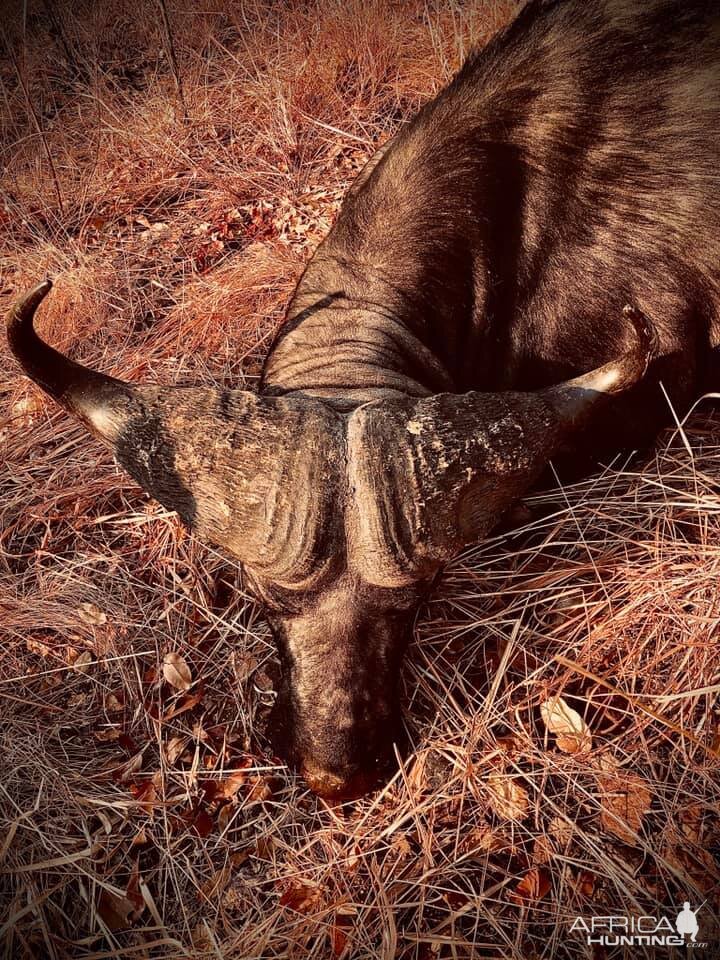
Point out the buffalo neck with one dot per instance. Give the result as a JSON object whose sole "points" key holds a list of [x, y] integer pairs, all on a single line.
{"points": [[410, 283], [351, 340]]}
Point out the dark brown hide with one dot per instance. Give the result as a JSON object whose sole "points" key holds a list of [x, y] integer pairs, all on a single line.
{"points": [[342, 519], [483, 256]]}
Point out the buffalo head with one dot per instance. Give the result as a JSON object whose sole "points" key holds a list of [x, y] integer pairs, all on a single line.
{"points": [[341, 517]]}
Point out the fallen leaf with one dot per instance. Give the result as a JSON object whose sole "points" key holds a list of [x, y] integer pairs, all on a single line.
{"points": [[215, 884], [38, 646], [150, 675], [302, 897], [261, 789], [264, 847], [127, 743], [561, 830], [625, 800], [543, 850], [227, 788], [24, 409], [401, 848], [263, 683], [92, 614], [107, 733], [78, 700], [417, 775], [509, 745], [116, 911], [132, 891], [83, 664], [534, 885], [244, 666], [176, 671], [482, 839], [146, 794], [687, 852], [225, 814], [174, 748], [571, 732], [187, 703], [338, 939], [455, 899], [507, 798], [586, 883], [130, 768], [112, 703], [202, 823], [691, 820]]}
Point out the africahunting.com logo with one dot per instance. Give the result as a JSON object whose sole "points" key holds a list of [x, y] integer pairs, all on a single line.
{"points": [[645, 931]]}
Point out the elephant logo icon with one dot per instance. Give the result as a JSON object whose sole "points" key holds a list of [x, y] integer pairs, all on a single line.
{"points": [[687, 923]]}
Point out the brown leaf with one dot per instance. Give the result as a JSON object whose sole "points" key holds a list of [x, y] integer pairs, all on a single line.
{"points": [[187, 703], [107, 733], [688, 854], [302, 897], [146, 794], [416, 777], [543, 850], [130, 768], [691, 822], [562, 831], [176, 671], [483, 838], [39, 647], [216, 883], [571, 732], [625, 800], [202, 823], [508, 799], [112, 703], [244, 665], [227, 788], [77, 700], [338, 940], [262, 682], [455, 899], [261, 788], [116, 911], [127, 743], [92, 614], [83, 664], [586, 883], [225, 814], [174, 748], [132, 891], [534, 885], [401, 848]]}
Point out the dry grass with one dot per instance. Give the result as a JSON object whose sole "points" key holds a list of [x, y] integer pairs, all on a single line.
{"points": [[143, 821]]}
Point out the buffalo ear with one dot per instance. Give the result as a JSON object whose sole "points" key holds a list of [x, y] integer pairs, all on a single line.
{"points": [[449, 465]]}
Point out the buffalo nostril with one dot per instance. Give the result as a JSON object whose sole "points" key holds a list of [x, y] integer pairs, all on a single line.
{"points": [[334, 788]]}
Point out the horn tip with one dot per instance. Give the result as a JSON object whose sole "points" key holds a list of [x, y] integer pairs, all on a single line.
{"points": [[22, 312], [20, 330], [644, 330]]}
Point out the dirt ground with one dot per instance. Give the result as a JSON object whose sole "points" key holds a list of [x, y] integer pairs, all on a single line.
{"points": [[172, 167]]}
